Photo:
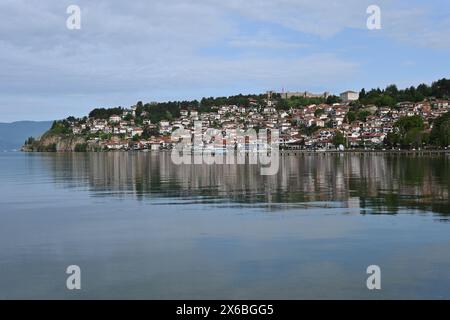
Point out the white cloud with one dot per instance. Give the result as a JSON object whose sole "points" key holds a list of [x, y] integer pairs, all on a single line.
{"points": [[426, 23], [418, 26], [265, 40], [129, 47], [322, 18], [137, 45]]}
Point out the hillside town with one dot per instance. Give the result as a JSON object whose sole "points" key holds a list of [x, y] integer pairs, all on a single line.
{"points": [[330, 123]]}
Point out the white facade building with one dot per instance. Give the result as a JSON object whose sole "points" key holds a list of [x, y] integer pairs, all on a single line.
{"points": [[349, 96]]}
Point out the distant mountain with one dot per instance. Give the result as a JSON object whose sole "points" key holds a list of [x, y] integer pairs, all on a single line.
{"points": [[13, 135]]}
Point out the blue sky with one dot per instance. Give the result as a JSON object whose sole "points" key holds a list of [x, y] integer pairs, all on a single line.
{"points": [[161, 50]]}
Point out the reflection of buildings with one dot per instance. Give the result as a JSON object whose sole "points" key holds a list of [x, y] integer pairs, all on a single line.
{"points": [[353, 203], [383, 182]]}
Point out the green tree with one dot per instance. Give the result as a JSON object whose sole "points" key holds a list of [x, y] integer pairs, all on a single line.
{"points": [[392, 139], [282, 105], [391, 91], [411, 131], [333, 99], [413, 138], [339, 139], [386, 100], [362, 94], [30, 141], [362, 115], [405, 124], [150, 132], [318, 112], [128, 117], [440, 134], [80, 147], [102, 113], [61, 127], [441, 88], [350, 116]]}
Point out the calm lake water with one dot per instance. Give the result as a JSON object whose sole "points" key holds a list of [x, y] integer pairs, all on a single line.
{"points": [[141, 227]]}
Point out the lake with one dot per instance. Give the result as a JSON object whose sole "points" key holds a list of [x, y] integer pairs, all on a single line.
{"points": [[140, 226]]}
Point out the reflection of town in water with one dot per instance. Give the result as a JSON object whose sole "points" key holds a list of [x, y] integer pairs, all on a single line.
{"points": [[383, 183]]}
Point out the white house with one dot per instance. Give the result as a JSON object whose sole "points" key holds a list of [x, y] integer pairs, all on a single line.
{"points": [[137, 131], [115, 118], [348, 96]]}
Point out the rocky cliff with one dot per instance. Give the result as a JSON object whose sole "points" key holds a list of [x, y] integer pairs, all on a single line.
{"points": [[51, 142]]}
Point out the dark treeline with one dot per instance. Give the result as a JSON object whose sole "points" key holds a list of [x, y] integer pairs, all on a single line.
{"points": [[206, 104], [169, 110], [392, 95], [440, 134], [162, 111], [298, 102], [102, 113]]}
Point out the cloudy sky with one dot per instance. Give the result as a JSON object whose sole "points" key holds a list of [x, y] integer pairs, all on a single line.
{"points": [[156, 50]]}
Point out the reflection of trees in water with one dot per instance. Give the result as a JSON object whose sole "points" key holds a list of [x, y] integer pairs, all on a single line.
{"points": [[380, 182]]}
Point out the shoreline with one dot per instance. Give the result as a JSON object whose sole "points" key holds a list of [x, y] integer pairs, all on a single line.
{"points": [[282, 152]]}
